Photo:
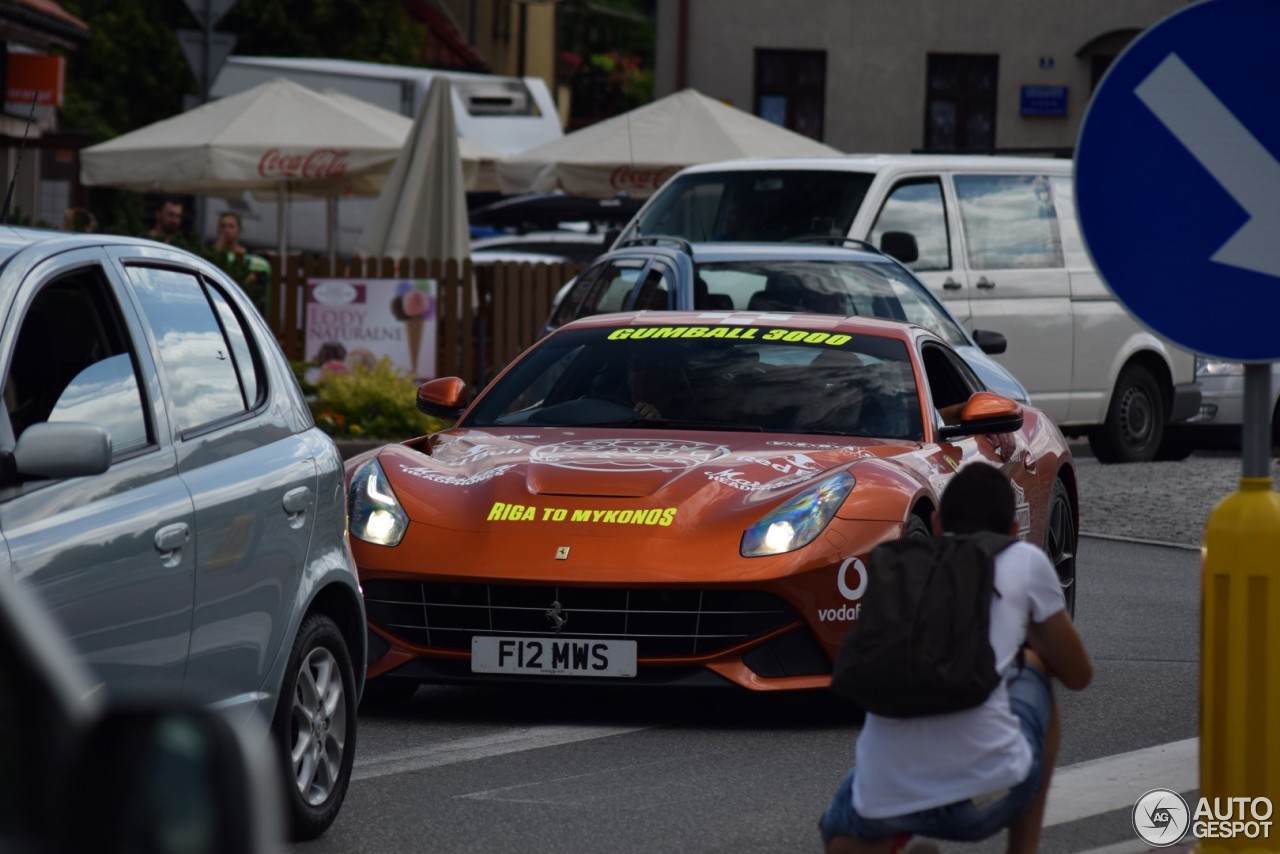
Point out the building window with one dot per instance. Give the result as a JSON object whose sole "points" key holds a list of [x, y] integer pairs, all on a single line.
{"points": [[791, 89], [960, 107]]}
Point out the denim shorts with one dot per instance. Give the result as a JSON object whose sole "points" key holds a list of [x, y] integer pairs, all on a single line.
{"points": [[964, 821]]}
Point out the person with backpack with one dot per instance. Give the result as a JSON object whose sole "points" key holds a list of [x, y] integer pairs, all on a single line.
{"points": [[983, 763]]}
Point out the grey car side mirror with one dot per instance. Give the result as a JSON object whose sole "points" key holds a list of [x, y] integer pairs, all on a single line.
{"points": [[62, 449]]}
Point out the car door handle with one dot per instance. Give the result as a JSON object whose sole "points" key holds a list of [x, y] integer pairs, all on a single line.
{"points": [[296, 501], [170, 541], [986, 284], [950, 284]]}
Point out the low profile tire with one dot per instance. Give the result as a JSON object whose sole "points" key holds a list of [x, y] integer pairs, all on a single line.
{"points": [[1135, 420], [387, 692], [1060, 542], [916, 529], [315, 727]]}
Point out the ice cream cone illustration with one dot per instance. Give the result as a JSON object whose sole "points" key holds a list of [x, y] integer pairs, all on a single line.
{"points": [[412, 307]]}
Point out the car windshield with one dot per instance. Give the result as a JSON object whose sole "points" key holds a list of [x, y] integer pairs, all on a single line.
{"points": [[754, 206], [710, 377], [870, 288]]}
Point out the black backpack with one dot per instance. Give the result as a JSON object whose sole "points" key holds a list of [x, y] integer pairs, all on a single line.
{"points": [[921, 644]]}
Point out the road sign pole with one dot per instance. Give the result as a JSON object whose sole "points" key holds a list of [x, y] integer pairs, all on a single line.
{"points": [[1240, 642]]}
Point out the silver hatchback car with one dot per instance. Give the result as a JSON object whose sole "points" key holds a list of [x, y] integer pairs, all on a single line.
{"points": [[165, 492]]}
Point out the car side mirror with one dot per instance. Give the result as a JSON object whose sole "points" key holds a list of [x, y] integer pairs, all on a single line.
{"points": [[984, 412], [445, 397], [900, 245], [991, 343], [169, 780], [62, 449]]}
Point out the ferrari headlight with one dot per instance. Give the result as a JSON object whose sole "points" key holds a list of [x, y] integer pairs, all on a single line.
{"points": [[1218, 368], [797, 522], [374, 513]]}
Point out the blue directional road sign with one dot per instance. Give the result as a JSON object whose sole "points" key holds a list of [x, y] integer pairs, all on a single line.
{"points": [[1178, 179]]}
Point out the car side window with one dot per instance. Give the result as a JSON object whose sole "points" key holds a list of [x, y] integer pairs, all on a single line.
{"points": [[1009, 222], [200, 360], [611, 288], [655, 291], [573, 299], [916, 207], [951, 382], [74, 361]]}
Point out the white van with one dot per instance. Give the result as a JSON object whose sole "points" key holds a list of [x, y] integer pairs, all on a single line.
{"points": [[997, 239], [502, 114]]}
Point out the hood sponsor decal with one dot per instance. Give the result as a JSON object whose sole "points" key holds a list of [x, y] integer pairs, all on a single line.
{"points": [[796, 462], [463, 452], [738, 480], [454, 480], [627, 454], [502, 511]]}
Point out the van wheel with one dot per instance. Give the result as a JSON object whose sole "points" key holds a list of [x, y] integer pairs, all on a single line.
{"points": [[1135, 420]]}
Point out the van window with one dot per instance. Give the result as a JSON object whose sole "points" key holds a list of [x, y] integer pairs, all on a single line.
{"points": [[761, 206], [916, 207], [1009, 222]]}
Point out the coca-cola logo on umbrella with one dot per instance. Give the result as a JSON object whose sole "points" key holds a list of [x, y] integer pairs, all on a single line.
{"points": [[320, 163], [626, 178]]}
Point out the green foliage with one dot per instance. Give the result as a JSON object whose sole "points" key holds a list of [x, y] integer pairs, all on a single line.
{"points": [[366, 403]]}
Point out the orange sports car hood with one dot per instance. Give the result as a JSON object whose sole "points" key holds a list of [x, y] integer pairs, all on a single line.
{"points": [[470, 477]]}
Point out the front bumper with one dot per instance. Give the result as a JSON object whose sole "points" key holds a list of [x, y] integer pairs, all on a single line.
{"points": [[685, 636], [1186, 402]]}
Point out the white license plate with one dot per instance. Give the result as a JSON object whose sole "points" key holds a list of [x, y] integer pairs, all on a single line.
{"points": [[553, 656]]}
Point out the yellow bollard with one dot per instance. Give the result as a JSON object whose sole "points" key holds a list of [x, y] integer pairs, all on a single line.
{"points": [[1240, 656]]}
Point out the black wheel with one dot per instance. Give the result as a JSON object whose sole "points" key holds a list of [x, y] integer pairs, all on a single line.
{"points": [[387, 692], [1135, 420], [1060, 542], [315, 726], [916, 529]]}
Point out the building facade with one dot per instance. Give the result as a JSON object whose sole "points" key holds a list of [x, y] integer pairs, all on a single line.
{"points": [[904, 75]]}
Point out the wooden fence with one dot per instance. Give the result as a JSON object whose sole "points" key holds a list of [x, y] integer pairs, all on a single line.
{"points": [[488, 313]]}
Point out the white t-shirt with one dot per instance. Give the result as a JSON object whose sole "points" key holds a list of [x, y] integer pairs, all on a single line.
{"points": [[909, 764]]}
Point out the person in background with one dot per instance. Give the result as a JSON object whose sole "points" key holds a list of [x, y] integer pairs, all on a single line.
{"points": [[969, 774], [228, 248], [168, 222], [79, 219]]}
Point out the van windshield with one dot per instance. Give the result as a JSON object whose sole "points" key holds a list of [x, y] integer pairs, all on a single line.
{"points": [[754, 205]]}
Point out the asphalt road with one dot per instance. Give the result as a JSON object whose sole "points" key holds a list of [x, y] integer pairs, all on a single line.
{"points": [[538, 770]]}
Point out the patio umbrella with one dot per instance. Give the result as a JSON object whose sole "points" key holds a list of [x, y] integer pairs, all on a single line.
{"points": [[279, 136], [422, 210], [477, 160], [634, 153]]}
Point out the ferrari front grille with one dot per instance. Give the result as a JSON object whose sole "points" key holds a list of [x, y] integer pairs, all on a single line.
{"points": [[663, 622]]}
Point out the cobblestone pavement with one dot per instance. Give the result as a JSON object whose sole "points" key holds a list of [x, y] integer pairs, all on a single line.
{"points": [[1165, 502]]}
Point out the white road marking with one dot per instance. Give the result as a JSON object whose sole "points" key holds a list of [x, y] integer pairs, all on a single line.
{"points": [[482, 747], [1140, 541], [1116, 782], [1228, 152]]}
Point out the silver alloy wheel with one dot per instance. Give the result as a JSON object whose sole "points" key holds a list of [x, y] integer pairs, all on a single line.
{"points": [[319, 726]]}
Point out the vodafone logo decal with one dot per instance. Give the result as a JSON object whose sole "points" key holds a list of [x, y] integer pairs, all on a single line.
{"points": [[860, 586]]}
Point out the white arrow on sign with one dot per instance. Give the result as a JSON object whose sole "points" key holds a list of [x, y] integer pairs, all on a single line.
{"points": [[1232, 155]]}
